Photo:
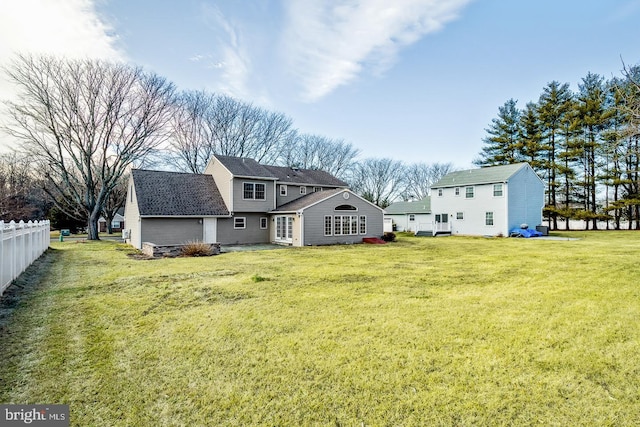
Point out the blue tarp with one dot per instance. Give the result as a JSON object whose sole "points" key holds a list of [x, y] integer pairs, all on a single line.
{"points": [[524, 232]]}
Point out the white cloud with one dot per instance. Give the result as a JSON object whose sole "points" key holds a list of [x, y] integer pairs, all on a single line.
{"points": [[328, 44], [70, 28], [63, 27], [233, 60]]}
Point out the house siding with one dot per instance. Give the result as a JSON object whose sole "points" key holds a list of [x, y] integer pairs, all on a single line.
{"points": [[522, 202], [252, 233], [242, 205], [293, 193], [313, 221], [525, 199], [223, 179], [423, 222], [474, 210], [171, 231]]}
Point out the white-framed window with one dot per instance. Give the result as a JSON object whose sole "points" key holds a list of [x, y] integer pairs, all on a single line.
{"points": [[459, 215], [469, 192], [254, 191], [440, 192], [345, 225], [354, 225], [457, 191], [363, 224], [303, 190], [239, 222], [263, 222], [115, 224], [497, 190], [316, 189], [488, 218], [328, 225], [283, 190], [412, 217]]}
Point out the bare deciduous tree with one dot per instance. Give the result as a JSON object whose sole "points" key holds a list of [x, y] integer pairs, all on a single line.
{"points": [[379, 181], [421, 176], [86, 121], [116, 201], [192, 142], [318, 152], [21, 195]]}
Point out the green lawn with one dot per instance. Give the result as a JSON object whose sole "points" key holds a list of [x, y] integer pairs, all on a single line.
{"points": [[424, 331]]}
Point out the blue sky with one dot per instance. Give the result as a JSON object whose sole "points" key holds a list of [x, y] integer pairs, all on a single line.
{"points": [[413, 80]]}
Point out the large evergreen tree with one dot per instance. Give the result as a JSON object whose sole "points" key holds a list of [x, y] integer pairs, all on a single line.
{"points": [[502, 145], [553, 106], [592, 117]]}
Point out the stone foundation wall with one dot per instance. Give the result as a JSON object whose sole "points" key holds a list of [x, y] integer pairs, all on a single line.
{"points": [[172, 251]]}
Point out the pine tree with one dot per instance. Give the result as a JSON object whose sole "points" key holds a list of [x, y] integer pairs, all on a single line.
{"points": [[502, 146], [553, 105], [532, 148], [592, 119]]}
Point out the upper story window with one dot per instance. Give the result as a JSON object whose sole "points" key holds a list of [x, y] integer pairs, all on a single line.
{"points": [[303, 190], [412, 217], [457, 191], [497, 190], [254, 191], [283, 190], [316, 189], [469, 192], [439, 192]]}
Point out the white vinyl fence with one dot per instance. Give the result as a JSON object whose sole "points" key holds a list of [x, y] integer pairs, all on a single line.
{"points": [[20, 244]]}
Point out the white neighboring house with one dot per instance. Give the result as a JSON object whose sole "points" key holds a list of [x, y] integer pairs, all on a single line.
{"points": [[487, 201], [414, 216]]}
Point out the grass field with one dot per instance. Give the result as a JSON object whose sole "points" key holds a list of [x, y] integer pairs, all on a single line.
{"points": [[424, 331]]}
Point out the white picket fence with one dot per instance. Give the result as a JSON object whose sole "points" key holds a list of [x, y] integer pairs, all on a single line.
{"points": [[20, 244]]}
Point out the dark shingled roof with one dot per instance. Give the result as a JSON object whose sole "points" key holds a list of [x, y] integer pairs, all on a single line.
{"points": [[307, 200], [305, 176], [177, 194], [244, 166]]}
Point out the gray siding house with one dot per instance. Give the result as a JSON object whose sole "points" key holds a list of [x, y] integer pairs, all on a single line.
{"points": [[239, 201], [168, 208]]}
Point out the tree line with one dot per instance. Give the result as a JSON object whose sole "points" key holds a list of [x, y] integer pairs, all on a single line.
{"points": [[81, 125], [584, 144]]}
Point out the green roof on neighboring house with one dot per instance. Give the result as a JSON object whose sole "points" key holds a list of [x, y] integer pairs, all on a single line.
{"points": [[415, 207], [489, 175]]}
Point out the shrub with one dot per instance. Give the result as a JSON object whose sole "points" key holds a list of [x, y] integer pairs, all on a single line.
{"points": [[196, 248], [389, 236], [257, 278]]}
